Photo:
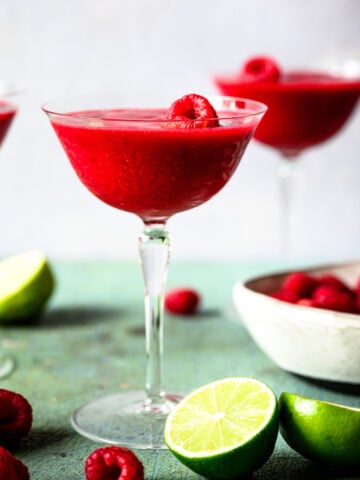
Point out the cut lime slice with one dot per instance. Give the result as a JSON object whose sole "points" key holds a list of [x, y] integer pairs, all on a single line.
{"points": [[321, 431], [225, 429], [26, 283]]}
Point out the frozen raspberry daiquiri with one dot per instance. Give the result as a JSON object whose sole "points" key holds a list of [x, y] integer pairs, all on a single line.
{"points": [[153, 163], [141, 162], [305, 107]]}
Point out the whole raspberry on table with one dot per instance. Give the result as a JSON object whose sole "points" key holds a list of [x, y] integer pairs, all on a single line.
{"points": [[15, 417], [12, 468], [182, 301], [192, 111], [113, 463]]}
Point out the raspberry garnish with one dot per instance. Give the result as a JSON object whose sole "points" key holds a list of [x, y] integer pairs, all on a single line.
{"points": [[299, 283], [192, 111], [182, 301], [12, 468], [113, 463], [260, 69], [15, 417]]}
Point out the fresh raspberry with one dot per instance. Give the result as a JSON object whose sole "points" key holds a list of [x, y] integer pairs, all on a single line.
{"points": [[330, 298], [12, 468], [182, 301], [15, 417], [113, 463], [299, 283], [192, 111], [333, 281], [260, 69], [285, 296]]}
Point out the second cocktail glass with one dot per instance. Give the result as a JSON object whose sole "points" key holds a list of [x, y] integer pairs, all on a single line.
{"points": [[143, 162], [305, 108]]}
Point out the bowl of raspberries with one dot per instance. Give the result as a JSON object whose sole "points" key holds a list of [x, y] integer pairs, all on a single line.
{"points": [[306, 321]]}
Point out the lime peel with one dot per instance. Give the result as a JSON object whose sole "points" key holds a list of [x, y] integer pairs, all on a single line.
{"points": [[321, 431], [26, 283]]}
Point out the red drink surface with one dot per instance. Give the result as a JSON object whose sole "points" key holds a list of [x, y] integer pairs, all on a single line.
{"points": [[148, 167], [304, 108], [7, 113]]}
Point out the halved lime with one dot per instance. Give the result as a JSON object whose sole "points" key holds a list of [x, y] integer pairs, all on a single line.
{"points": [[321, 431], [26, 283], [224, 429]]}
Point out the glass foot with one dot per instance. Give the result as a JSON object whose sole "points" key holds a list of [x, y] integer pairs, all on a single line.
{"points": [[7, 365], [125, 419]]}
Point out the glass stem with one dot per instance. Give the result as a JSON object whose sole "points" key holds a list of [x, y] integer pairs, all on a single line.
{"points": [[288, 163], [154, 250]]}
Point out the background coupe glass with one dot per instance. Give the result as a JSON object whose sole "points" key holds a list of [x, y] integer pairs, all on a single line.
{"points": [[306, 108], [137, 161]]}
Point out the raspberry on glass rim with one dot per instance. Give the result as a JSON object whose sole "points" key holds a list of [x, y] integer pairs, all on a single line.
{"points": [[260, 69], [192, 111], [153, 162]]}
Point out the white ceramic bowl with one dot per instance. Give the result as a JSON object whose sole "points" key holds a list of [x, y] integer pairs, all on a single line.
{"points": [[313, 342]]}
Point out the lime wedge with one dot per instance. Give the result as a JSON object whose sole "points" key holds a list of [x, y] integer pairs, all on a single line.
{"points": [[225, 429], [321, 431], [26, 283]]}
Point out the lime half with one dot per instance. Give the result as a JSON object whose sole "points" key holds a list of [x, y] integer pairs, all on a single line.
{"points": [[225, 429], [321, 431], [26, 283]]}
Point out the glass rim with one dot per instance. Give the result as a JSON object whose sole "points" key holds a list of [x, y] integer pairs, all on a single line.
{"points": [[311, 79], [235, 107]]}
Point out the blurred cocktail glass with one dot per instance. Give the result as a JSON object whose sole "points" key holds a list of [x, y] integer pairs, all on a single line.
{"points": [[306, 107]]}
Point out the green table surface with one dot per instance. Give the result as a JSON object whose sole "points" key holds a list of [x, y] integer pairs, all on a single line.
{"points": [[90, 341]]}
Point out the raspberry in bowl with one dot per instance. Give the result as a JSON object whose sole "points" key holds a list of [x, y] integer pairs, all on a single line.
{"points": [[307, 322]]}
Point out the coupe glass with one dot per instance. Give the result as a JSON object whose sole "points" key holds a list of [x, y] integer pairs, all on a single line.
{"points": [[305, 108], [7, 113], [136, 160]]}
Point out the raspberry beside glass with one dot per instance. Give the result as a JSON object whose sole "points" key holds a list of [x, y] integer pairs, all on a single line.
{"points": [[152, 162]]}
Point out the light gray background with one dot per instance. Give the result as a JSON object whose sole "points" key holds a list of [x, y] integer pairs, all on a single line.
{"points": [[155, 48]]}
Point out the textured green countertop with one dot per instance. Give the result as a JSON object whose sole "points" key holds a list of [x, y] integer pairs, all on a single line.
{"points": [[90, 341]]}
